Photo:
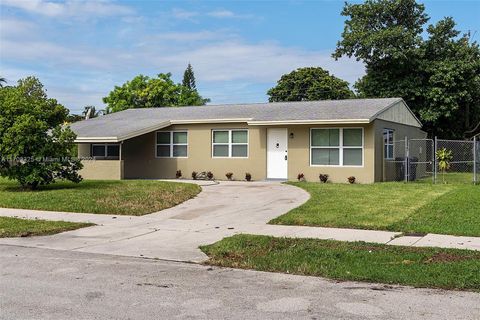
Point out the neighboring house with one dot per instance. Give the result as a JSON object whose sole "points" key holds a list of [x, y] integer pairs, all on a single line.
{"points": [[340, 138]]}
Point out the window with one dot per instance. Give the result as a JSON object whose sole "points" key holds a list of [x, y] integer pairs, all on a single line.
{"points": [[388, 143], [106, 151], [230, 143], [336, 147], [171, 144]]}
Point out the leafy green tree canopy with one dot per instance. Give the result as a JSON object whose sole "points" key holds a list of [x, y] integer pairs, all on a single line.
{"points": [[189, 78], [35, 149], [308, 84], [146, 92], [438, 77]]}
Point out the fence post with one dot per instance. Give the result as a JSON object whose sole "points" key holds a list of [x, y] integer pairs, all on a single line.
{"points": [[475, 160], [406, 159], [435, 161]]}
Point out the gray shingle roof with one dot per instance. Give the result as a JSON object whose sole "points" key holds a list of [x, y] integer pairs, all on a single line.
{"points": [[126, 123]]}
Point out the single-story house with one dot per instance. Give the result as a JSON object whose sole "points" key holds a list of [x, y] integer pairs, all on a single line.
{"points": [[279, 140]]}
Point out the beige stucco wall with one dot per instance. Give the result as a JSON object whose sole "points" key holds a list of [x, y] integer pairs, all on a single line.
{"points": [[384, 170], [102, 169], [299, 157], [139, 161], [99, 169], [84, 150]]}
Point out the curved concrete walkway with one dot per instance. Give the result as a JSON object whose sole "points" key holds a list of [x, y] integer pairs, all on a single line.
{"points": [[220, 210]]}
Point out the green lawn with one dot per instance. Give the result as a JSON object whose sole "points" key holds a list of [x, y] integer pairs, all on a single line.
{"points": [[396, 206], [452, 178], [129, 197], [14, 227], [358, 261]]}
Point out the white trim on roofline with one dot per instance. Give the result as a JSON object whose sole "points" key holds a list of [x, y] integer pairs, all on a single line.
{"points": [[96, 139], [326, 121], [155, 128], [233, 120]]}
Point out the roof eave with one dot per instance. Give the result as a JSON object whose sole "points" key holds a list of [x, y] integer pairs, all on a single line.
{"points": [[162, 125], [96, 139], [231, 120], [293, 122]]}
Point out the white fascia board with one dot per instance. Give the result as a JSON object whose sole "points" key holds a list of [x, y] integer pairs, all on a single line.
{"points": [[233, 120], [289, 122], [95, 139]]}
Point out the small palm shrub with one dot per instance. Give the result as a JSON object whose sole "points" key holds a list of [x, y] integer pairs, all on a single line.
{"points": [[351, 179], [444, 158], [178, 174], [229, 175], [194, 175], [248, 176], [209, 175], [301, 177]]}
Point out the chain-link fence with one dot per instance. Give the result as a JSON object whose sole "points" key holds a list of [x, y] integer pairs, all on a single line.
{"points": [[395, 163], [476, 161], [421, 153], [455, 161], [434, 160]]}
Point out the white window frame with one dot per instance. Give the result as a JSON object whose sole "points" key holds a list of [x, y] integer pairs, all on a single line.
{"points": [[171, 144], [388, 130], [106, 156], [340, 148], [230, 143]]}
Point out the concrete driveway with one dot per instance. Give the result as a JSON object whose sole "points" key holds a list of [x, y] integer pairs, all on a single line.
{"points": [[220, 210]]}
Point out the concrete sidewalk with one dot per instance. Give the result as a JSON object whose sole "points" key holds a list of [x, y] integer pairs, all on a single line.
{"points": [[219, 211]]}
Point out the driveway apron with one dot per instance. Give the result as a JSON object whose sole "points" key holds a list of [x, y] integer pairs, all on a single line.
{"points": [[220, 210]]}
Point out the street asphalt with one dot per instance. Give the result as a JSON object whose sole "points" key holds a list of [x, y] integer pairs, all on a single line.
{"points": [[38, 283]]}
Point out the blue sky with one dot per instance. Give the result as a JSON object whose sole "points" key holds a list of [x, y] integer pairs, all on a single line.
{"points": [[81, 49]]}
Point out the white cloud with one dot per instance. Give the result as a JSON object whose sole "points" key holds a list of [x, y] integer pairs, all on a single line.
{"points": [[219, 13], [185, 36], [184, 14], [44, 52], [261, 62], [220, 65], [12, 27], [78, 72], [222, 14], [69, 8]]}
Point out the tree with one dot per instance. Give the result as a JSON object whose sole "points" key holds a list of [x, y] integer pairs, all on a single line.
{"points": [[2, 81], [71, 118], [307, 84], [189, 78], [145, 92], [438, 77], [90, 112], [35, 148]]}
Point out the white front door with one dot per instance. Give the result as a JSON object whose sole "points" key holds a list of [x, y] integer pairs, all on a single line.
{"points": [[277, 153]]}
